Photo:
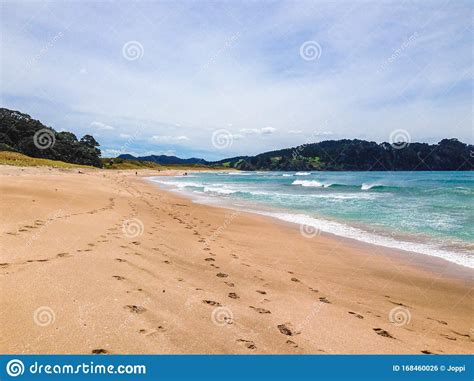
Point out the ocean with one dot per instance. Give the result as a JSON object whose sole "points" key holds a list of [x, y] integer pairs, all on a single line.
{"points": [[430, 213]]}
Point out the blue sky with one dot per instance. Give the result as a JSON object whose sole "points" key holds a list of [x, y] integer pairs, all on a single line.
{"points": [[163, 77]]}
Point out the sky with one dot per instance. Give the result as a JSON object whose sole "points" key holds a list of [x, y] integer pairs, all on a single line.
{"points": [[221, 79]]}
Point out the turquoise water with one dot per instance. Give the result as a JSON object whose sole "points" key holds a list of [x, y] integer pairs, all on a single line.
{"points": [[425, 212]]}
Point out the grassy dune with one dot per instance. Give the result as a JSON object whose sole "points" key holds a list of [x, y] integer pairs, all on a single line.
{"points": [[20, 160]]}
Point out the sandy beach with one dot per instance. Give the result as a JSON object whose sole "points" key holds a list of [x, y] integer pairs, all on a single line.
{"points": [[106, 262]]}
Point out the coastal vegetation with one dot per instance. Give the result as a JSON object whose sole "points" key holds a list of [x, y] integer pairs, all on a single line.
{"points": [[360, 155], [21, 133], [19, 160]]}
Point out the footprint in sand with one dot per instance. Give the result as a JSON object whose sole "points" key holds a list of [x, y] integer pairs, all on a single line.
{"points": [[233, 295], [209, 259], [222, 275], [135, 309], [295, 280], [211, 303], [118, 277], [248, 343], [99, 351], [292, 343], [356, 315], [260, 310], [120, 260], [261, 292], [323, 299], [448, 337], [439, 321], [460, 334], [287, 329], [382, 332], [145, 332], [230, 284]]}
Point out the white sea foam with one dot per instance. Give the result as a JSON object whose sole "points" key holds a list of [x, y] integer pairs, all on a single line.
{"points": [[180, 184], [369, 186], [238, 173], [311, 183], [339, 229], [287, 175], [219, 190], [302, 173]]}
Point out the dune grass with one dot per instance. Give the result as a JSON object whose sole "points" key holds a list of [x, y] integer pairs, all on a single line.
{"points": [[20, 160]]}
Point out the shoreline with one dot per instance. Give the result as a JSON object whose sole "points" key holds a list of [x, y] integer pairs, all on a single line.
{"points": [[428, 262], [198, 279]]}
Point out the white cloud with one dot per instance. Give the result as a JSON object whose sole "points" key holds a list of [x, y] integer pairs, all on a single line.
{"points": [[169, 139], [101, 126], [125, 136], [267, 130], [249, 131], [256, 131]]}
